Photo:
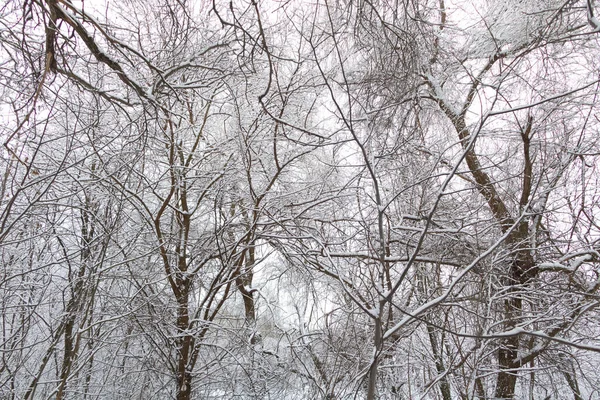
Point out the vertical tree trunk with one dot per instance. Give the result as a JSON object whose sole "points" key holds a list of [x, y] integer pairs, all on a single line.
{"points": [[480, 389], [68, 355], [377, 344], [439, 364], [79, 293], [244, 280], [184, 342], [521, 271], [506, 380]]}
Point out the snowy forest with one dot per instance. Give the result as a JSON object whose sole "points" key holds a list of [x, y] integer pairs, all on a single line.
{"points": [[325, 199]]}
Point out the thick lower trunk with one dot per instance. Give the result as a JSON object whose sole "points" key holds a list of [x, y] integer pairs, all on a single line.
{"points": [[184, 386], [185, 343], [508, 351], [377, 342], [506, 380], [67, 357]]}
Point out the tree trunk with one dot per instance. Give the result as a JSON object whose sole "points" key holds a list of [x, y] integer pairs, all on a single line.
{"points": [[521, 272], [439, 363], [184, 342], [377, 344], [68, 355]]}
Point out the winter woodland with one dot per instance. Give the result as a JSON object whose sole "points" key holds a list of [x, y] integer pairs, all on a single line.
{"points": [[327, 199]]}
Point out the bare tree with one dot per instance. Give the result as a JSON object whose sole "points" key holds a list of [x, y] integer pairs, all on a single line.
{"points": [[331, 199], [394, 89]]}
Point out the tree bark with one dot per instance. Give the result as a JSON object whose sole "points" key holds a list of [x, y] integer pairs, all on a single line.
{"points": [[439, 363], [184, 342], [377, 344]]}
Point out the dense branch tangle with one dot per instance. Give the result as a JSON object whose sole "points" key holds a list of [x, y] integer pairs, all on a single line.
{"points": [[324, 200]]}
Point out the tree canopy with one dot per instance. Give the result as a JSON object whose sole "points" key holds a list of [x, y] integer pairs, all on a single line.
{"points": [[336, 199]]}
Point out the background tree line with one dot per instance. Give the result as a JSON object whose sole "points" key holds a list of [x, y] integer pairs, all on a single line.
{"points": [[330, 199]]}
